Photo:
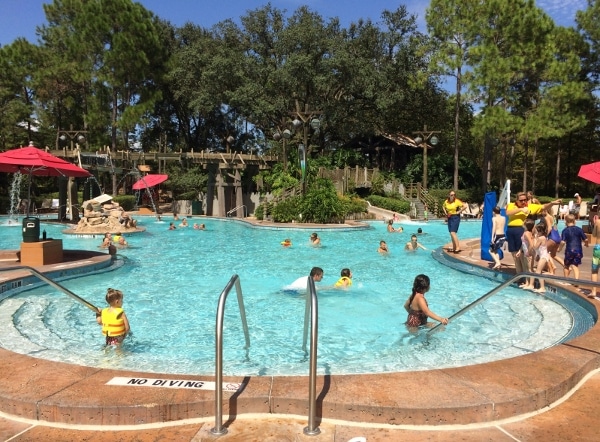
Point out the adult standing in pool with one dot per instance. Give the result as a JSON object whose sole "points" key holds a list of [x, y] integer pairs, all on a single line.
{"points": [[452, 208], [517, 213]]}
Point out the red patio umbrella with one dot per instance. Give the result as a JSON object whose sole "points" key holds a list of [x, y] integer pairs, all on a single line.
{"points": [[149, 180], [590, 172], [33, 161]]}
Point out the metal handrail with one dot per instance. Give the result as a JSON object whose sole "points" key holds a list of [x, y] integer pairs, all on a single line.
{"points": [[235, 209], [234, 281], [492, 292], [312, 310], [55, 285]]}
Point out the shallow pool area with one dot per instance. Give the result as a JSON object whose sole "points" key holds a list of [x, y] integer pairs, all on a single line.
{"points": [[172, 280]]}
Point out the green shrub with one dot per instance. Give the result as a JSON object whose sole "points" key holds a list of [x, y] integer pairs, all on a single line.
{"points": [[287, 211], [127, 202], [393, 204], [352, 204], [321, 204]]}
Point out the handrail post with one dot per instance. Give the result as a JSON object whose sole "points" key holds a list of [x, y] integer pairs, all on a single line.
{"points": [[57, 286], [312, 303], [234, 281]]}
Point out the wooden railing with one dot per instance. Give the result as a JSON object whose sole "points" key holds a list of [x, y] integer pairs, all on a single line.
{"points": [[416, 191], [350, 177]]}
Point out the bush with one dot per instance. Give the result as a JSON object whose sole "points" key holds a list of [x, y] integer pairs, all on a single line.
{"points": [[321, 204], [352, 204], [393, 204], [127, 202], [287, 211]]}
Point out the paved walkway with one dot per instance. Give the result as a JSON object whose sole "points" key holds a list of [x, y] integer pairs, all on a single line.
{"points": [[550, 395]]}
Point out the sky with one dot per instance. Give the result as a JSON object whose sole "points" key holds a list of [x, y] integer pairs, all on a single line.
{"points": [[19, 18]]}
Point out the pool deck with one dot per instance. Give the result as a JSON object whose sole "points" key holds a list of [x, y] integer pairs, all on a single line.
{"points": [[548, 395]]}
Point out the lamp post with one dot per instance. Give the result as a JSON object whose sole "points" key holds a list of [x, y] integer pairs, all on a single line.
{"points": [[284, 135], [305, 119], [422, 137], [68, 189], [71, 135]]}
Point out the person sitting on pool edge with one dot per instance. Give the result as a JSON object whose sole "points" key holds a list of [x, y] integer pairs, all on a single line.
{"points": [[346, 279]]}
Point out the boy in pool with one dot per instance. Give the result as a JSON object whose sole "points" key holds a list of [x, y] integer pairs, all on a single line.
{"points": [[413, 244], [113, 319], [383, 248]]}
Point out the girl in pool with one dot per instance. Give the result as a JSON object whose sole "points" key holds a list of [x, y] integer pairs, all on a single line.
{"points": [[345, 280], [286, 242], [416, 305], [113, 319]]}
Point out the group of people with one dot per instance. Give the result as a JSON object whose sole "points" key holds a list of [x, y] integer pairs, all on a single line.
{"points": [[411, 245], [317, 273], [184, 223], [313, 240], [535, 247], [111, 242]]}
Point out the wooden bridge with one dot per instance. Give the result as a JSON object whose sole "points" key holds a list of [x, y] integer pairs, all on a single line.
{"points": [[116, 162]]}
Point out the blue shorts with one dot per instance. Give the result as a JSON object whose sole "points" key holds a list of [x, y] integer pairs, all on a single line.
{"points": [[498, 243], [453, 223], [513, 238], [573, 258], [596, 258]]}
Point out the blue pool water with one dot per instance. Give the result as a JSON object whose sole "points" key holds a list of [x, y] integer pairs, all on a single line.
{"points": [[172, 281]]}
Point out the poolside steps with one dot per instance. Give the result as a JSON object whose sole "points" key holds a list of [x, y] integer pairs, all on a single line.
{"points": [[11, 336], [42, 390]]}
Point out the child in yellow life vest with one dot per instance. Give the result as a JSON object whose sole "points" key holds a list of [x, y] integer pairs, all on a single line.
{"points": [[345, 280], [115, 325]]}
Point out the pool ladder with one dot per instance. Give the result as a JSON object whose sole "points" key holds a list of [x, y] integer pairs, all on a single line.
{"points": [[506, 283], [310, 312]]}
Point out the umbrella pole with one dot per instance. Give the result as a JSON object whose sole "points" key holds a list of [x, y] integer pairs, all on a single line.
{"points": [[29, 195]]}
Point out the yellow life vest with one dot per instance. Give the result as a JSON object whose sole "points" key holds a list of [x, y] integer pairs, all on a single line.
{"points": [[340, 281], [112, 322]]}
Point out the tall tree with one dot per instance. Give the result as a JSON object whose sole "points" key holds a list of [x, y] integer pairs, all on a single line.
{"points": [[449, 26], [120, 38]]}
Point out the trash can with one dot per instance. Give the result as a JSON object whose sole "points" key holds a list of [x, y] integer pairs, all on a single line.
{"points": [[196, 207], [31, 229]]}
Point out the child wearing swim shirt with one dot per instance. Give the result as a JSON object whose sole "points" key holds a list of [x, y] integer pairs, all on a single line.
{"points": [[345, 280], [572, 238], [113, 319]]}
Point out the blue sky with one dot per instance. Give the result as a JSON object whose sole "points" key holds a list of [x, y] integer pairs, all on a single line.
{"points": [[19, 18]]}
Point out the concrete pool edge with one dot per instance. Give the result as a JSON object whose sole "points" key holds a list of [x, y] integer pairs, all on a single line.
{"points": [[48, 391]]}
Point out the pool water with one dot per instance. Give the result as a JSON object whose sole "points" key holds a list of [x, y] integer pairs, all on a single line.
{"points": [[172, 281]]}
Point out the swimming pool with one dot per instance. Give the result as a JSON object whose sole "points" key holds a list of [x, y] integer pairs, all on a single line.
{"points": [[172, 280]]}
